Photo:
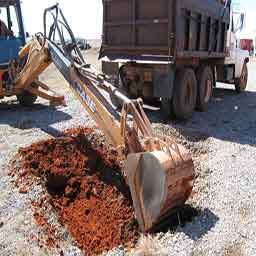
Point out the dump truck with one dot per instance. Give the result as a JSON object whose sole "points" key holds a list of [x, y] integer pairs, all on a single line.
{"points": [[159, 172], [172, 51]]}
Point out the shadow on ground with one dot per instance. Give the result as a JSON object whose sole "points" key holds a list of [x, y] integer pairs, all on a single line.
{"points": [[231, 117], [37, 116], [201, 222]]}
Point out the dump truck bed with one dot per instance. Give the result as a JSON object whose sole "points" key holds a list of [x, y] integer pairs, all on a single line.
{"points": [[164, 29]]}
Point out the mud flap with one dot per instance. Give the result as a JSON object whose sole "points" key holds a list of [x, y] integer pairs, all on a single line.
{"points": [[163, 84]]}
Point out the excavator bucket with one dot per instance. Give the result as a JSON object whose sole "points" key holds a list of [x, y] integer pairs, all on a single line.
{"points": [[160, 182]]}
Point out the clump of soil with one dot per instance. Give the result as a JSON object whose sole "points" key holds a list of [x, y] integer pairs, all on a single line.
{"points": [[86, 187]]}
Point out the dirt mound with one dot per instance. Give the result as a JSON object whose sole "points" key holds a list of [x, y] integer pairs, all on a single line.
{"points": [[86, 188]]}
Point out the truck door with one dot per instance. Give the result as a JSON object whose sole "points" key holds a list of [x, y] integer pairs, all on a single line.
{"points": [[236, 55]]}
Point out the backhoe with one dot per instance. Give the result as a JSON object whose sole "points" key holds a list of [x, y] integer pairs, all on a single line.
{"points": [[159, 172]]}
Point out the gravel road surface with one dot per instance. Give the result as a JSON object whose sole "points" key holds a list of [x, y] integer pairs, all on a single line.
{"points": [[223, 145]]}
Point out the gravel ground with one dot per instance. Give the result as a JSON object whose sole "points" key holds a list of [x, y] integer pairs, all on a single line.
{"points": [[223, 145]]}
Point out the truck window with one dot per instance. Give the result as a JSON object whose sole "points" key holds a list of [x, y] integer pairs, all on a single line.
{"points": [[14, 24], [10, 21], [3, 16]]}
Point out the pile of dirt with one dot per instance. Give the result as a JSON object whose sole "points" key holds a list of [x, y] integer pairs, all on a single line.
{"points": [[86, 187]]}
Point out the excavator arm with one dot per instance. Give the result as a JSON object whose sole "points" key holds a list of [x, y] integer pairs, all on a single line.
{"points": [[159, 172]]}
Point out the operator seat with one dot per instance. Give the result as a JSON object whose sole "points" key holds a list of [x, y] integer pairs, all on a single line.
{"points": [[4, 31]]}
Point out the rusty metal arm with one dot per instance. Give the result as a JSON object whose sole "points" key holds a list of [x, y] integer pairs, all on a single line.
{"points": [[87, 85], [33, 59]]}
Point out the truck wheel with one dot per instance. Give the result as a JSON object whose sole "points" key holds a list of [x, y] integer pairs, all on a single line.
{"points": [[205, 87], [241, 83], [185, 92], [27, 98]]}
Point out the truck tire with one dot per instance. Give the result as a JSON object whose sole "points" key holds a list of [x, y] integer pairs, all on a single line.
{"points": [[241, 83], [27, 98], [185, 93], [205, 88]]}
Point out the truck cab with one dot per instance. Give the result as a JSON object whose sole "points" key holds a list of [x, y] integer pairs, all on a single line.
{"points": [[237, 59], [11, 16]]}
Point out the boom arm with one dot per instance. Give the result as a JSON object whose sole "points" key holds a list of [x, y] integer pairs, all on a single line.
{"points": [[85, 82], [158, 171]]}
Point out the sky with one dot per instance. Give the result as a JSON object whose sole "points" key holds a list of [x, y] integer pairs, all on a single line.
{"points": [[249, 7], [85, 16]]}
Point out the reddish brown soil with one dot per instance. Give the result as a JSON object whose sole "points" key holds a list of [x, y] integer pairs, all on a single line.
{"points": [[86, 188], [39, 213]]}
